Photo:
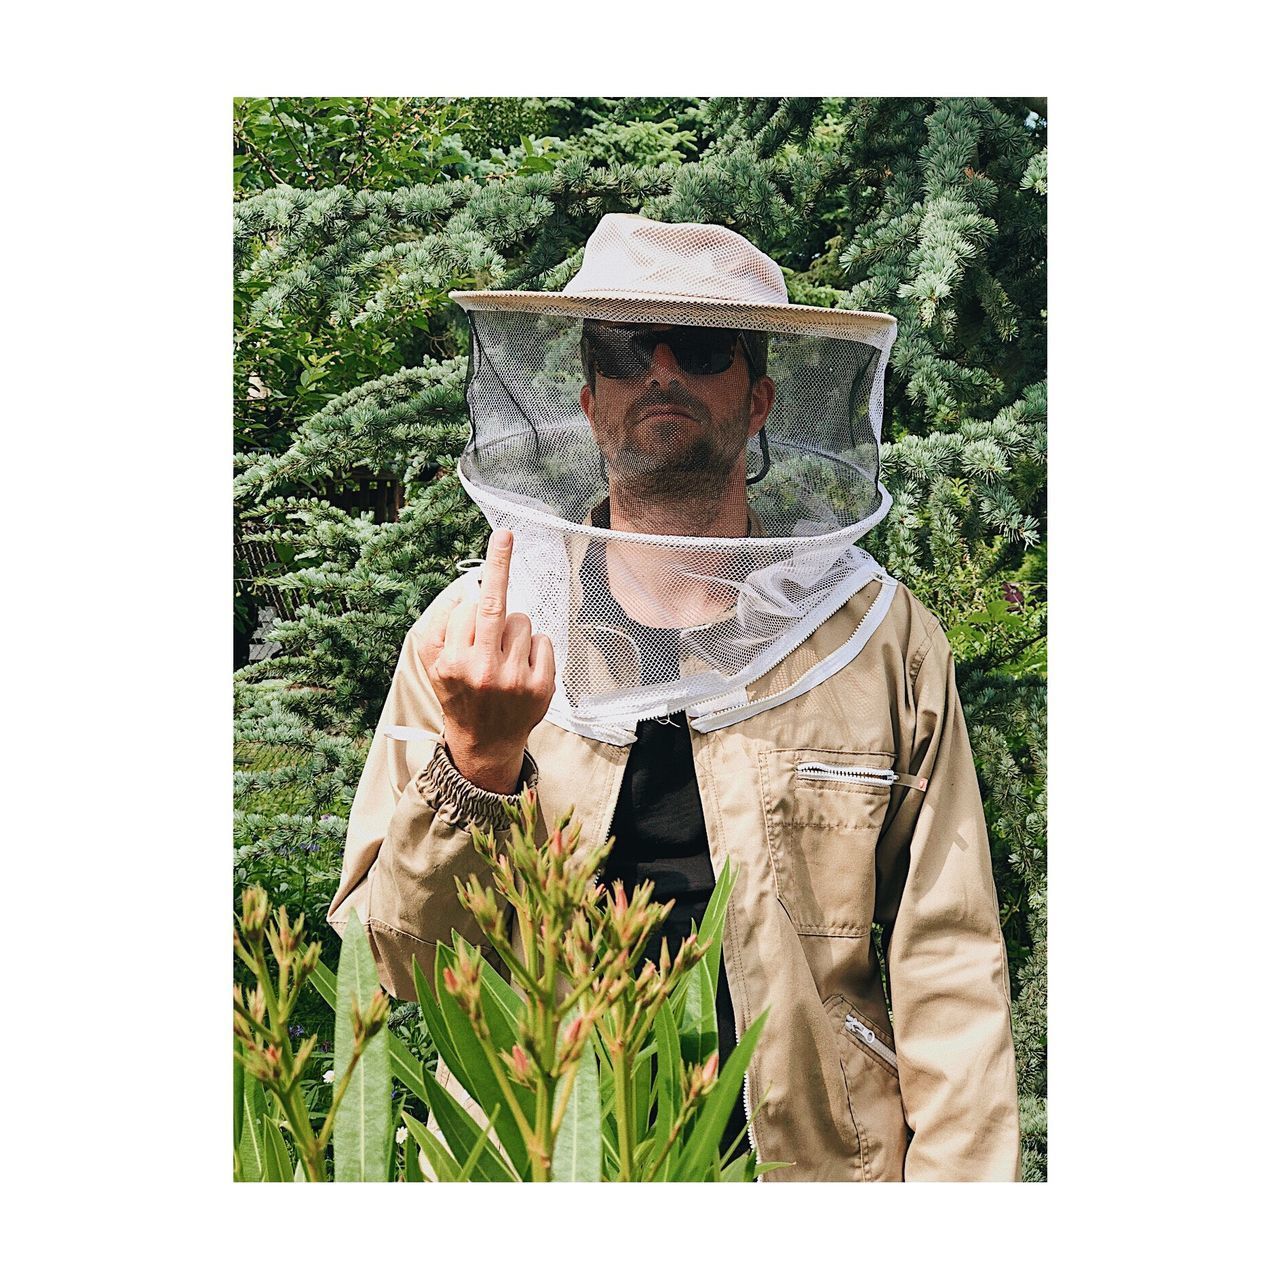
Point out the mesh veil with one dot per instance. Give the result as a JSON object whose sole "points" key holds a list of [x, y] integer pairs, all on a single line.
{"points": [[672, 548]]}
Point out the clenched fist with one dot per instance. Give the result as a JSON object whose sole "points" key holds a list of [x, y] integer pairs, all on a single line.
{"points": [[494, 678]]}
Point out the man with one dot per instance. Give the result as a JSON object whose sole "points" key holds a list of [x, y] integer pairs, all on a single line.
{"points": [[705, 677]]}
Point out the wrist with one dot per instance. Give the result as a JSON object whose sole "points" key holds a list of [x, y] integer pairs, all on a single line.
{"points": [[458, 801], [497, 772]]}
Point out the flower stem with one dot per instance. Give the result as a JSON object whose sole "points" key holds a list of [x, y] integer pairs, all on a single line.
{"points": [[622, 1105]]}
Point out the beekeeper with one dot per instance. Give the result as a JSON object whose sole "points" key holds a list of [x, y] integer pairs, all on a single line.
{"points": [[677, 635]]}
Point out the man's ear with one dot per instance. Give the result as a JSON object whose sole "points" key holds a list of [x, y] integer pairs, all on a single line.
{"points": [[762, 394], [587, 401]]}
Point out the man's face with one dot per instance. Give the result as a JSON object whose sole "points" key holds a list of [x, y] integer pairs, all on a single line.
{"points": [[665, 432]]}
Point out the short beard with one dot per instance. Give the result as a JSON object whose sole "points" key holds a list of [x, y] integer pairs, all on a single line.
{"points": [[692, 484], [681, 491]]}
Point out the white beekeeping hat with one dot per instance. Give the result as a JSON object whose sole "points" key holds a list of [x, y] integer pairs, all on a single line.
{"points": [[635, 270], [687, 460]]}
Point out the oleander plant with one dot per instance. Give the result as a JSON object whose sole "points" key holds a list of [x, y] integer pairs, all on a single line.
{"points": [[587, 1062]]}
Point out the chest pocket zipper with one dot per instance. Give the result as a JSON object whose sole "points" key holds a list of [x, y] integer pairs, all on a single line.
{"points": [[872, 1041], [817, 769]]}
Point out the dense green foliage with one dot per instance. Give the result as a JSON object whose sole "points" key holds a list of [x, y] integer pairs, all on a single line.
{"points": [[350, 360], [590, 1066]]}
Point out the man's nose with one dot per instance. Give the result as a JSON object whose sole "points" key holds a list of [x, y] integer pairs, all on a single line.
{"points": [[664, 366]]}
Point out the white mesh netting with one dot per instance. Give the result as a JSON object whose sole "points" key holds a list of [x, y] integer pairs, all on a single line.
{"points": [[686, 497]]}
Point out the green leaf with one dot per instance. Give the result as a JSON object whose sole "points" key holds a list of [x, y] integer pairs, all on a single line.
{"points": [[251, 1150], [404, 1065], [237, 1086], [436, 1026], [1032, 661], [406, 1068], [501, 1003], [412, 1167], [277, 1166], [698, 1033], [443, 1165], [324, 981], [362, 1127], [469, 1064], [578, 1151], [432, 1018], [608, 1117], [737, 1170], [702, 1149], [461, 1131], [495, 990], [711, 927], [481, 1145], [746, 1168], [668, 1082], [641, 1086], [498, 1018], [255, 1100], [710, 932], [642, 1152]]}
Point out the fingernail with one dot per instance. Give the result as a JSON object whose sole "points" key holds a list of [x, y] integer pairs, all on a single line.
{"points": [[502, 538]]}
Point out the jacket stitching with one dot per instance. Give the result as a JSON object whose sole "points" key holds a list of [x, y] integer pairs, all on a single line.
{"points": [[857, 1128], [383, 927], [834, 826], [730, 915], [917, 659], [824, 928]]}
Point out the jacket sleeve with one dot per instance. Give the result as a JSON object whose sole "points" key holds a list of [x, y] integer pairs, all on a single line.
{"points": [[947, 969], [407, 837]]}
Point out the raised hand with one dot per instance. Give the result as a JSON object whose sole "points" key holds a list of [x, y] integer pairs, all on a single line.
{"points": [[494, 678]]}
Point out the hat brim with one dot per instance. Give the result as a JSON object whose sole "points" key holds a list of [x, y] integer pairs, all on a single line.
{"points": [[653, 308]]}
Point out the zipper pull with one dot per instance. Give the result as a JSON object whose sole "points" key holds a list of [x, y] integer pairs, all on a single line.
{"points": [[859, 1029], [910, 780]]}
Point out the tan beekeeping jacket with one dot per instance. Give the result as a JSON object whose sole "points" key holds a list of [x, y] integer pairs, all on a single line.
{"points": [[842, 1091]]}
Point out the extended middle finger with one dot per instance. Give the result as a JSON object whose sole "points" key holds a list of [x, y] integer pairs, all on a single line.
{"points": [[491, 610]]}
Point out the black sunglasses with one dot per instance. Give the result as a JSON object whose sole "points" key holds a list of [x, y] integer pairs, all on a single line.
{"points": [[626, 351]]}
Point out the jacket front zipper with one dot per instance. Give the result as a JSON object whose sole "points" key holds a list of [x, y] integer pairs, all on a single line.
{"points": [[746, 1101], [873, 1042]]}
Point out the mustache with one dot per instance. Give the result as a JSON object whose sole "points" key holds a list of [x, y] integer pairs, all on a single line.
{"points": [[672, 397]]}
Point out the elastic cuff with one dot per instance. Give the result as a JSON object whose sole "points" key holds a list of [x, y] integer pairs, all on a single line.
{"points": [[461, 803]]}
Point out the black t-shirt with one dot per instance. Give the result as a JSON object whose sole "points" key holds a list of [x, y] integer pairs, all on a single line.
{"points": [[659, 829], [660, 835]]}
